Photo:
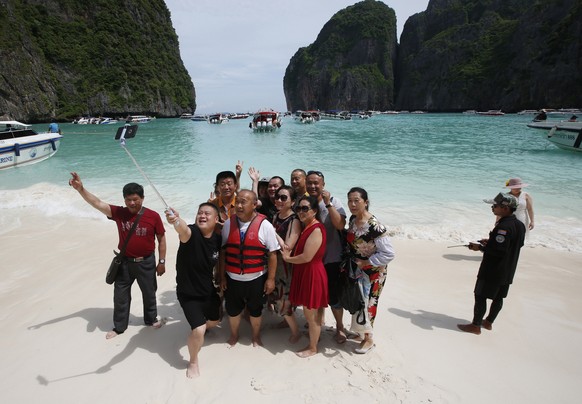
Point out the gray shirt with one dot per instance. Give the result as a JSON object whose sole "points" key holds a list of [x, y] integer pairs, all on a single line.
{"points": [[333, 248]]}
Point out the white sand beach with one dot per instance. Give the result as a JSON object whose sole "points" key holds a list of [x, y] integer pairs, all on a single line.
{"points": [[57, 309]]}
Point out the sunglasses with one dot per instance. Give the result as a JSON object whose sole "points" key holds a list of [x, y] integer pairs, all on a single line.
{"points": [[303, 209], [283, 198], [318, 173]]}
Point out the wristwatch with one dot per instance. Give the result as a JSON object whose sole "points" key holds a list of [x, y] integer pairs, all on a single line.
{"points": [[162, 261], [329, 205]]}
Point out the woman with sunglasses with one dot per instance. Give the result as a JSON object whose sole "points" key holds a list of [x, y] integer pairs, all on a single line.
{"points": [[372, 251], [309, 280], [287, 227]]}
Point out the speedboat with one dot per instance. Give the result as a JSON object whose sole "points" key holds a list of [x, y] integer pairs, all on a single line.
{"points": [[265, 120], [336, 115], [138, 119], [20, 145], [238, 116], [107, 121], [491, 112], [186, 115], [566, 138], [199, 118], [574, 126], [217, 119], [307, 116]]}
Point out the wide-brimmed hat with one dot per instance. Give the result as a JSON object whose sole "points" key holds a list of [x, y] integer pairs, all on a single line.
{"points": [[515, 183], [503, 199]]}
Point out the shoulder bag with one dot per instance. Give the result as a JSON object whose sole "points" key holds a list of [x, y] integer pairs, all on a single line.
{"points": [[118, 258]]}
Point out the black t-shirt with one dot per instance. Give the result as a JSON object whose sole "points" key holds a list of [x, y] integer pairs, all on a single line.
{"points": [[267, 208], [195, 264]]}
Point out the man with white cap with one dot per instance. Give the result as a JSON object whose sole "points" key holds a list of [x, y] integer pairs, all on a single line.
{"points": [[500, 256]]}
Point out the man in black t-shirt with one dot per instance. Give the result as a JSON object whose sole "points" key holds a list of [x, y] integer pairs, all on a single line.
{"points": [[195, 263]]}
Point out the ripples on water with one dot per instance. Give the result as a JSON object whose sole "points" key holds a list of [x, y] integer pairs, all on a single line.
{"points": [[426, 174]]}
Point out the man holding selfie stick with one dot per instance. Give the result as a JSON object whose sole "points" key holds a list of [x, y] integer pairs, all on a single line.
{"points": [[500, 256]]}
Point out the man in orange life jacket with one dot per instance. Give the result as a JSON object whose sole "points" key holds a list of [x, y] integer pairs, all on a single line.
{"points": [[248, 262]]}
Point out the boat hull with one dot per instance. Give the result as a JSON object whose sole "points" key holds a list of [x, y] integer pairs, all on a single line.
{"points": [[28, 151], [565, 139], [561, 125]]}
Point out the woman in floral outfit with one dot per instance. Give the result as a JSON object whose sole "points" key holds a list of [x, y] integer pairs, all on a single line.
{"points": [[372, 251]]}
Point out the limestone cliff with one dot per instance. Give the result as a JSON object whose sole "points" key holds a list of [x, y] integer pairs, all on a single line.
{"points": [[350, 64], [108, 57], [495, 54]]}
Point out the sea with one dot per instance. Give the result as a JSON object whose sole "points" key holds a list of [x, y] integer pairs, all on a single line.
{"points": [[426, 174]]}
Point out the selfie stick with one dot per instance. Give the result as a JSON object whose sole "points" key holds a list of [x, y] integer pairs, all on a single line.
{"points": [[460, 245], [122, 143]]}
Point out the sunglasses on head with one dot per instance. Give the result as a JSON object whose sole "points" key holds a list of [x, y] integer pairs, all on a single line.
{"points": [[318, 173], [282, 197], [303, 209]]}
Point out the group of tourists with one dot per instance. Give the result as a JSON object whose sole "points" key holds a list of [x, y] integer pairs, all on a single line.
{"points": [[283, 247]]}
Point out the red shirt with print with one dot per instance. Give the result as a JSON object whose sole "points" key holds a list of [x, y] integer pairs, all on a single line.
{"points": [[142, 242]]}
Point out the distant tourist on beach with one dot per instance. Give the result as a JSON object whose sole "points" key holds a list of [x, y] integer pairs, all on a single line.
{"points": [[333, 217], [500, 257], [309, 280], [196, 261], [54, 127], [573, 118], [139, 262], [525, 211], [372, 250], [248, 263], [288, 228]]}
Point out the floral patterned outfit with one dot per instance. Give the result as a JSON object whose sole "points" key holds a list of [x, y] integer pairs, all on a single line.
{"points": [[370, 242]]}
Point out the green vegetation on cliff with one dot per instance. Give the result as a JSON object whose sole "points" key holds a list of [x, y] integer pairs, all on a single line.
{"points": [[98, 57]]}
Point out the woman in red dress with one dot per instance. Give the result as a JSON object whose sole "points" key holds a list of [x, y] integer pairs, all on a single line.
{"points": [[309, 279]]}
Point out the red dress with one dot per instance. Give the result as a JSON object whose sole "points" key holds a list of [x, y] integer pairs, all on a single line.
{"points": [[309, 280]]}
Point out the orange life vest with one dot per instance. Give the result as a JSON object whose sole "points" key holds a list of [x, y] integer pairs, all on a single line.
{"points": [[249, 255]]}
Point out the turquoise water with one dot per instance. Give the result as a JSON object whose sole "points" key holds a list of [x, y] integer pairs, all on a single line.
{"points": [[426, 174]]}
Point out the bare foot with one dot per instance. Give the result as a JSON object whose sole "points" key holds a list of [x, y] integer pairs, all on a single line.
{"points": [[159, 324], [192, 371], [232, 340], [340, 337], [257, 342], [306, 353], [294, 338], [111, 334]]}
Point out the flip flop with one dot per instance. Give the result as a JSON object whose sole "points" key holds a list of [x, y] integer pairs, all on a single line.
{"points": [[363, 351]]}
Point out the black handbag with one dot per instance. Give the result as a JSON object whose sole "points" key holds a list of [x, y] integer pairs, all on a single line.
{"points": [[348, 292], [118, 259]]}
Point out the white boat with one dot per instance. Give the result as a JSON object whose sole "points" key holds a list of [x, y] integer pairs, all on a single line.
{"points": [[199, 118], [491, 112], [186, 115], [217, 119], [107, 121], [567, 139], [573, 126], [238, 116], [138, 119], [336, 115], [307, 116], [470, 112], [20, 145], [265, 120]]}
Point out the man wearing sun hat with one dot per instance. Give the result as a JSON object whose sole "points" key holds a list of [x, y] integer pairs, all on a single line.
{"points": [[500, 256]]}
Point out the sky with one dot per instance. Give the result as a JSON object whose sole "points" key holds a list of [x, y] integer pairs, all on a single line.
{"points": [[236, 51]]}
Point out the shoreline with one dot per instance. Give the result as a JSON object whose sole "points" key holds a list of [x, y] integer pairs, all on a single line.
{"points": [[57, 309]]}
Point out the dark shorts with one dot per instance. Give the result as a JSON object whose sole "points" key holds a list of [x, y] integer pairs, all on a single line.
{"points": [[198, 311], [239, 294], [333, 269], [490, 290]]}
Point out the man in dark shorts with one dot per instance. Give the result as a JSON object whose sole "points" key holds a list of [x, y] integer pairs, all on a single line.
{"points": [[195, 263], [500, 256], [333, 217], [248, 263]]}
